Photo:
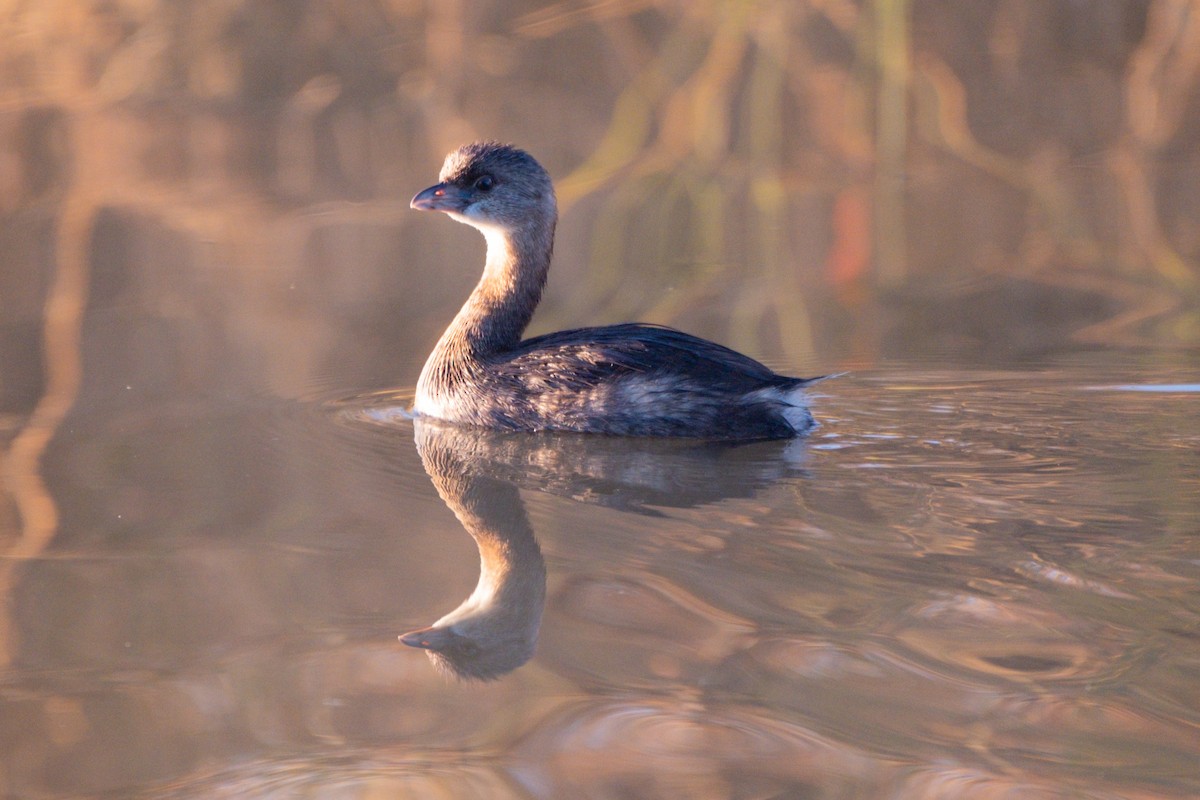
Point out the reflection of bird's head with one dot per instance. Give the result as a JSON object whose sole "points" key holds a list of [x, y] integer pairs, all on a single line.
{"points": [[483, 648], [493, 631]]}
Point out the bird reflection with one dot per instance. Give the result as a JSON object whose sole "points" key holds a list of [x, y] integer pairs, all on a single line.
{"points": [[495, 629], [478, 474]]}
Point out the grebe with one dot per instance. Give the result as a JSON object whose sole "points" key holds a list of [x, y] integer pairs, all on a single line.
{"points": [[632, 379]]}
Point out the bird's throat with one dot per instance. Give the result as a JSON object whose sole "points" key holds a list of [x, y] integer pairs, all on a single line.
{"points": [[502, 303]]}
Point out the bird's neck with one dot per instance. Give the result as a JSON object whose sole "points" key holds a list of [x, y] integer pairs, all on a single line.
{"points": [[499, 309]]}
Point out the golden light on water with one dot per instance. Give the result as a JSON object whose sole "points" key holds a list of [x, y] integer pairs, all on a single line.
{"points": [[974, 578]]}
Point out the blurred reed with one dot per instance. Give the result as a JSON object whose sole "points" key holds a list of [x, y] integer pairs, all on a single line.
{"points": [[786, 175]]}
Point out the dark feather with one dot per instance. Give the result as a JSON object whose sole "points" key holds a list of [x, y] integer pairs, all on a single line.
{"points": [[587, 356]]}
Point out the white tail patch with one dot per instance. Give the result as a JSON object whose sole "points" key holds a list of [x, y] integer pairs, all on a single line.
{"points": [[793, 406], [795, 410]]}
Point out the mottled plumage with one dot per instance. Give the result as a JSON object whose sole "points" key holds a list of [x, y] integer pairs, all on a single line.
{"points": [[631, 379]]}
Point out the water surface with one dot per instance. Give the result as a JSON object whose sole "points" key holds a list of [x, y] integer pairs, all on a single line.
{"points": [[976, 579], [964, 583]]}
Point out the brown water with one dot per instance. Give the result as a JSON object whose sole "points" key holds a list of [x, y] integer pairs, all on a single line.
{"points": [[964, 584], [978, 578]]}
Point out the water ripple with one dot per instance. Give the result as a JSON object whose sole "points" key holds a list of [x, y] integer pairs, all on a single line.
{"points": [[680, 749]]}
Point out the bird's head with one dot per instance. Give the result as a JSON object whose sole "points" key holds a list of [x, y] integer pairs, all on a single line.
{"points": [[491, 186]]}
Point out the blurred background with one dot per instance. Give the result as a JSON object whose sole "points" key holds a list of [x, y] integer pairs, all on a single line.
{"points": [[827, 182], [204, 211]]}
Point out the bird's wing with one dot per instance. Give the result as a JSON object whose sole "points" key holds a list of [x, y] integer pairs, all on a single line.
{"points": [[585, 356]]}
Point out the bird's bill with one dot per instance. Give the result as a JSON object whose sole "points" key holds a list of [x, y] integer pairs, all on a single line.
{"points": [[441, 197]]}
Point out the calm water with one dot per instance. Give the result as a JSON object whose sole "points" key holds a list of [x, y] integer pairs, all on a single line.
{"points": [[977, 579], [964, 584]]}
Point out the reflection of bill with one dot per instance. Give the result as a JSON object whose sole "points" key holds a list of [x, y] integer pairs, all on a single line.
{"points": [[478, 472]]}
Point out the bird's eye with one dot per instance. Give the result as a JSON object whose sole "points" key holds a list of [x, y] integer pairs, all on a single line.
{"points": [[485, 183]]}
